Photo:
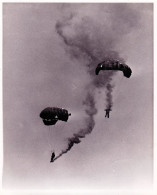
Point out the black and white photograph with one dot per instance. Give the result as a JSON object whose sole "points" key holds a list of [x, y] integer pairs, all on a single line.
{"points": [[78, 96]]}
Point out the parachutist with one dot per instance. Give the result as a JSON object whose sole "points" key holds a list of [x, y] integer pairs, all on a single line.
{"points": [[52, 157], [50, 116], [107, 112]]}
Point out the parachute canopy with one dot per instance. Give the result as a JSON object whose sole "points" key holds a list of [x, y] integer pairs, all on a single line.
{"points": [[51, 115], [111, 64]]}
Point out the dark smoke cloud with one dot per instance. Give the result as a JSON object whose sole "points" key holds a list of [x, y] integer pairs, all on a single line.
{"points": [[85, 44], [91, 42]]}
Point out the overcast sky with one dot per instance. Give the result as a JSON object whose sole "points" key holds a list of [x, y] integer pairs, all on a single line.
{"points": [[50, 55]]}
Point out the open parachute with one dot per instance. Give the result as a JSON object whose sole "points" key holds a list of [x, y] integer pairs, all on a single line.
{"points": [[112, 64], [51, 115]]}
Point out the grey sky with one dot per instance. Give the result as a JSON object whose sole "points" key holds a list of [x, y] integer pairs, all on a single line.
{"points": [[41, 69]]}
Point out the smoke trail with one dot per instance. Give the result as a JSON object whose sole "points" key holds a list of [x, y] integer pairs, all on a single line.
{"points": [[109, 88], [79, 46], [90, 110], [91, 41]]}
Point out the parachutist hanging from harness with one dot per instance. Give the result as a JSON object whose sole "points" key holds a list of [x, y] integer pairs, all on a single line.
{"points": [[50, 116], [52, 157], [107, 112], [111, 64]]}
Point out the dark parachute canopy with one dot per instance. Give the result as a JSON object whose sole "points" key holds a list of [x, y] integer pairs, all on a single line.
{"points": [[112, 64], [51, 115]]}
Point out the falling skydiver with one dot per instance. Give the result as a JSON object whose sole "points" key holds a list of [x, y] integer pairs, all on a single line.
{"points": [[107, 112], [52, 157]]}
